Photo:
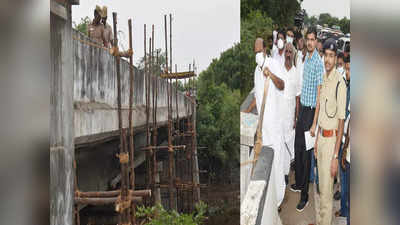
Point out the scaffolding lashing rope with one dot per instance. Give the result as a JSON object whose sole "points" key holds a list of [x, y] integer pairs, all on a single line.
{"points": [[123, 157], [121, 205]]}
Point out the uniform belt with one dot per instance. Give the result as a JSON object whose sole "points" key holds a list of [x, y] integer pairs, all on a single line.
{"points": [[328, 133]]}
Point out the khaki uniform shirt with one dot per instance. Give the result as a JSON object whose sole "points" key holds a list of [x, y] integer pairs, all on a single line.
{"points": [[332, 108], [96, 32], [108, 35]]}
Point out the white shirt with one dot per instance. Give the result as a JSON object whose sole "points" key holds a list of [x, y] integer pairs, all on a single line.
{"points": [[271, 128], [258, 81], [272, 135], [299, 55], [292, 89], [300, 70], [274, 34], [279, 58]]}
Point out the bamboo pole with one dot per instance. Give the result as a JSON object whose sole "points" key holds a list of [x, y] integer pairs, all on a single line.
{"points": [[114, 193], [124, 192], [104, 201]]}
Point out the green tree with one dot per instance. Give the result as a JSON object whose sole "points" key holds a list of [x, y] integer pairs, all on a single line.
{"points": [[345, 25], [281, 11], [255, 25], [218, 126], [83, 25]]}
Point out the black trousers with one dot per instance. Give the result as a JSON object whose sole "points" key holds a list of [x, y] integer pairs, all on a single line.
{"points": [[302, 158]]}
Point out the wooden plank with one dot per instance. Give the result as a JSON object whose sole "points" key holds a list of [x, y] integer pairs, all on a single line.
{"points": [[115, 193], [103, 201]]}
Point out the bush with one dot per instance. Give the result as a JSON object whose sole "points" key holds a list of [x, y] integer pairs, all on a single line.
{"points": [[157, 215]]}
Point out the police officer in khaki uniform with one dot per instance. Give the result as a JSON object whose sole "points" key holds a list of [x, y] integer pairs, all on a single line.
{"points": [[108, 35], [96, 28], [330, 131]]}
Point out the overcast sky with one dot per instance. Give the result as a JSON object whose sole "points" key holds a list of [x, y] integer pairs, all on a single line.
{"points": [[337, 8], [201, 30]]}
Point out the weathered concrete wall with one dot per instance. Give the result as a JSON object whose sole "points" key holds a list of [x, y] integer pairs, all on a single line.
{"points": [[95, 92], [61, 114]]}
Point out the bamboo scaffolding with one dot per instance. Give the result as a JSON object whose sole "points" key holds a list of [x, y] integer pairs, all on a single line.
{"points": [[114, 193]]}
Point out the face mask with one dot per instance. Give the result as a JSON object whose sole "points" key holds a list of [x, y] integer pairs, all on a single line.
{"points": [[289, 39], [280, 43], [340, 69]]}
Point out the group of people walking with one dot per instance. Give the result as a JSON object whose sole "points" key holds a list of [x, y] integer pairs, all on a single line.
{"points": [[306, 115]]}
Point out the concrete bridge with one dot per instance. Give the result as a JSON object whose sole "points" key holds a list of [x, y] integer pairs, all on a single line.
{"points": [[84, 121], [95, 95], [96, 115]]}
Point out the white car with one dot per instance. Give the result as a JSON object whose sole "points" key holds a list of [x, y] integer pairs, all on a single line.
{"points": [[342, 43]]}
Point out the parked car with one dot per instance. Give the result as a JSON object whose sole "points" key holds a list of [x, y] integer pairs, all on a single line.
{"points": [[342, 43]]}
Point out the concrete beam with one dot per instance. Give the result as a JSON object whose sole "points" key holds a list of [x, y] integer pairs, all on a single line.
{"points": [[62, 154], [58, 10], [252, 207], [95, 93]]}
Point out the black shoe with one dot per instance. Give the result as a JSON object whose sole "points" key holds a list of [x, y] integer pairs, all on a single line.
{"points": [[302, 204], [337, 196], [294, 188], [286, 179], [279, 209], [318, 189]]}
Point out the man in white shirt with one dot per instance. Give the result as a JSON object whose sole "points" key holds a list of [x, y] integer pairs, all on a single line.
{"points": [[278, 53], [292, 90], [272, 137], [301, 50]]}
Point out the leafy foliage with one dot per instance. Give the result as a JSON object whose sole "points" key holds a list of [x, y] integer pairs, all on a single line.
{"points": [[282, 11], [218, 126], [255, 25], [157, 215], [83, 25]]}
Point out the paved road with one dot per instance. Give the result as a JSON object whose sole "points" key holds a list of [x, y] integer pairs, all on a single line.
{"points": [[290, 216]]}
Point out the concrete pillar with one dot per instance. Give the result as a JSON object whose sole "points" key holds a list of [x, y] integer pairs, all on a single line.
{"points": [[62, 116]]}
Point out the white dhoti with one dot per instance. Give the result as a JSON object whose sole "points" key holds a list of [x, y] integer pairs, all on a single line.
{"points": [[288, 132]]}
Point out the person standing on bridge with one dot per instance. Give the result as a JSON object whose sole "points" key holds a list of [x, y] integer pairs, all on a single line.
{"points": [[289, 106], [332, 102], [96, 28], [307, 119], [278, 54], [108, 34], [272, 137]]}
